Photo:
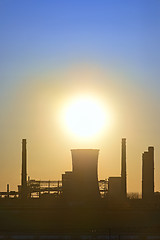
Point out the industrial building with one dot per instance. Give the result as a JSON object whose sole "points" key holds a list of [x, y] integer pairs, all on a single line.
{"points": [[83, 180], [114, 188], [79, 203], [117, 189], [82, 184], [148, 174]]}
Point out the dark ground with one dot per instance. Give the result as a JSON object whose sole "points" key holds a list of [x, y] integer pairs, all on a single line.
{"points": [[58, 217]]}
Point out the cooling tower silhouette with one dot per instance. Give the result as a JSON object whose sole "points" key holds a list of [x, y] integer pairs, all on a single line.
{"points": [[85, 177]]}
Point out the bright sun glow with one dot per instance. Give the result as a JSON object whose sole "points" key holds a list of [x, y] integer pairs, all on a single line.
{"points": [[85, 117]]}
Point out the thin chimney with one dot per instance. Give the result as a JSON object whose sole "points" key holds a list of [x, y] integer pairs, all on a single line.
{"points": [[123, 168], [24, 168]]}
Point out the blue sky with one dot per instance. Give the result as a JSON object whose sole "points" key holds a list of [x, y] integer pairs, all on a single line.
{"points": [[40, 34]]}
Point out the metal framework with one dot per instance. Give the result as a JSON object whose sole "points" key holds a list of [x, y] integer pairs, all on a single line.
{"points": [[40, 188], [37, 188]]}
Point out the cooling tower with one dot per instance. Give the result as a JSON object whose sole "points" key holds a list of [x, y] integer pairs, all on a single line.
{"points": [[85, 177]]}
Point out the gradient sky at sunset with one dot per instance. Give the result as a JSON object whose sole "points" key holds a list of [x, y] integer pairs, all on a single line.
{"points": [[51, 52]]}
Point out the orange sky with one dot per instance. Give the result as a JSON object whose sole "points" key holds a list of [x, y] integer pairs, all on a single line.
{"points": [[32, 111]]}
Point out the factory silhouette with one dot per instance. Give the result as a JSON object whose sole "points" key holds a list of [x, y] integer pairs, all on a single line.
{"points": [[79, 206], [82, 184]]}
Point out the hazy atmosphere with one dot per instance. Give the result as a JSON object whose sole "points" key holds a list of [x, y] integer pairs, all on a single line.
{"points": [[55, 52]]}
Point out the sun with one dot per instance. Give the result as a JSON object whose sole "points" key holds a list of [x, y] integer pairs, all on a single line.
{"points": [[85, 117]]}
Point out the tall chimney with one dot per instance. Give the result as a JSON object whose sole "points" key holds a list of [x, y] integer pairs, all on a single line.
{"points": [[123, 169], [24, 168]]}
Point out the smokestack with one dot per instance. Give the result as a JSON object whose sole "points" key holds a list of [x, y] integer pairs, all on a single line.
{"points": [[24, 168], [8, 190], [123, 168], [148, 174]]}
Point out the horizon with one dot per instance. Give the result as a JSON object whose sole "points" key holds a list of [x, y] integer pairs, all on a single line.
{"points": [[80, 149]]}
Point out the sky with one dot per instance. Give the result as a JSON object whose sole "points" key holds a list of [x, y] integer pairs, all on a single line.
{"points": [[53, 51]]}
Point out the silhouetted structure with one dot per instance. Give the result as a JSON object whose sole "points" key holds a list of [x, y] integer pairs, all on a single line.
{"points": [[44, 188], [67, 185], [24, 169], [83, 180], [85, 164], [148, 174], [123, 169], [69, 206], [114, 188], [7, 190], [81, 184], [117, 189]]}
